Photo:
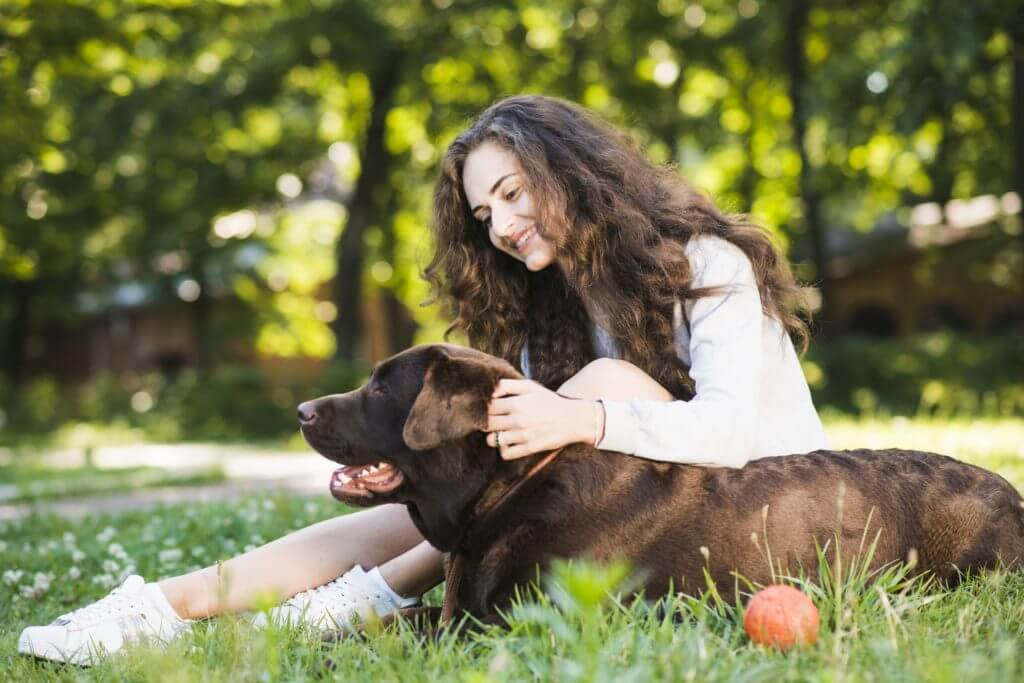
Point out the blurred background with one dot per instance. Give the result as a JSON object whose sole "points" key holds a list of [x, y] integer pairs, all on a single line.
{"points": [[214, 210]]}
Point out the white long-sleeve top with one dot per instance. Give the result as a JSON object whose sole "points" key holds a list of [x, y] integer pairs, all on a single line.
{"points": [[751, 398]]}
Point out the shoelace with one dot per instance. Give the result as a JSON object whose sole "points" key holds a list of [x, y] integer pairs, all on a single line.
{"points": [[114, 604], [333, 599]]}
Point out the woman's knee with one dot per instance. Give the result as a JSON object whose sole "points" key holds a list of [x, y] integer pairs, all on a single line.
{"points": [[613, 379]]}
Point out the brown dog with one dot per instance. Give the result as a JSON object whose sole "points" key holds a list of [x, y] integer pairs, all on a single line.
{"points": [[418, 421]]}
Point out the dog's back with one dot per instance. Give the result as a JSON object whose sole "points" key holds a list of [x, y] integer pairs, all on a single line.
{"points": [[673, 522]]}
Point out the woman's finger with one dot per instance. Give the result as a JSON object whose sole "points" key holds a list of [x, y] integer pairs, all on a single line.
{"points": [[516, 451], [508, 405], [513, 387], [501, 422]]}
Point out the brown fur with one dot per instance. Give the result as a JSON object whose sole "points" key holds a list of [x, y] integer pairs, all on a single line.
{"points": [[423, 410]]}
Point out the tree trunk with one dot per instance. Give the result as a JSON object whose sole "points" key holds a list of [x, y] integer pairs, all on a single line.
{"points": [[1017, 112], [796, 23], [201, 318], [373, 181], [17, 336]]}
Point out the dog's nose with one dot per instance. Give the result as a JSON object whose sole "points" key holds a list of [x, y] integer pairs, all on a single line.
{"points": [[307, 413]]}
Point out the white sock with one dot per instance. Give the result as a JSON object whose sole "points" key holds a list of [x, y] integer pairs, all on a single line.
{"points": [[395, 598], [156, 594]]}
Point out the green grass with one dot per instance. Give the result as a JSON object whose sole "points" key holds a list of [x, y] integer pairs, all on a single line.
{"points": [[889, 629], [21, 483]]}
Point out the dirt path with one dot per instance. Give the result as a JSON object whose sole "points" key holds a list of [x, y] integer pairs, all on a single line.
{"points": [[247, 470]]}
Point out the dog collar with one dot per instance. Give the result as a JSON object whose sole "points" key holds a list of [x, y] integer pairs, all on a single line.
{"points": [[455, 559]]}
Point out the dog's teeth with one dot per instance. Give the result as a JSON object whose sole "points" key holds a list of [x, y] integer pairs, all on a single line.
{"points": [[344, 478], [373, 468]]}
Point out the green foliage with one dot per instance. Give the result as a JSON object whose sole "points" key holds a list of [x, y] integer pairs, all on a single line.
{"points": [[233, 403], [939, 374], [131, 129]]}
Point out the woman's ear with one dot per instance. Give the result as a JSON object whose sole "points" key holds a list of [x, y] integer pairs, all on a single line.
{"points": [[453, 400]]}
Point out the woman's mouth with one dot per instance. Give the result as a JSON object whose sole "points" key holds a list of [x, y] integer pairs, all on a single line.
{"points": [[521, 241]]}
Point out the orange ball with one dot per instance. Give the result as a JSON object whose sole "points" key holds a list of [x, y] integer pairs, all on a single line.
{"points": [[781, 616]]}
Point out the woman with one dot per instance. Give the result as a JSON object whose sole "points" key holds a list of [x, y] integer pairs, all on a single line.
{"points": [[560, 248]]}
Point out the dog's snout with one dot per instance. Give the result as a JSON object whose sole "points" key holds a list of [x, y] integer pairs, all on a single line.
{"points": [[307, 413]]}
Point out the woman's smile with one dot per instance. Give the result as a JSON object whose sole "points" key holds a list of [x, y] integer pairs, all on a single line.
{"points": [[523, 239]]}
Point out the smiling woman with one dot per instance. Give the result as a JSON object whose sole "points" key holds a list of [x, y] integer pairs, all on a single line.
{"points": [[499, 199]]}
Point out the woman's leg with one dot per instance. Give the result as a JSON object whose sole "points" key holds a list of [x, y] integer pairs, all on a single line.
{"points": [[615, 380], [311, 557]]}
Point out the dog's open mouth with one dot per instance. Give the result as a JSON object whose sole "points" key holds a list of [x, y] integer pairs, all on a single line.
{"points": [[364, 481]]}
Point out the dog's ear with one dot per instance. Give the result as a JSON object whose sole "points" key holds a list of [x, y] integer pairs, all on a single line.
{"points": [[453, 400]]}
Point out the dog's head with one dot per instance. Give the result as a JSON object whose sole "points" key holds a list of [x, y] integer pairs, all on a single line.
{"points": [[412, 434]]}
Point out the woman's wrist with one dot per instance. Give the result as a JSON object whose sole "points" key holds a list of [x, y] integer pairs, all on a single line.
{"points": [[589, 422]]}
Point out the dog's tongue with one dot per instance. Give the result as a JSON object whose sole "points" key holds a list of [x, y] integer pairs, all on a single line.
{"points": [[362, 481]]}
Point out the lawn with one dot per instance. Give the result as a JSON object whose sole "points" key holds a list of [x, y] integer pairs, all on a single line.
{"points": [[21, 483], [889, 629]]}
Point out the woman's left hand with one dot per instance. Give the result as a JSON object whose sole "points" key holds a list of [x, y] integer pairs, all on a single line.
{"points": [[532, 418]]}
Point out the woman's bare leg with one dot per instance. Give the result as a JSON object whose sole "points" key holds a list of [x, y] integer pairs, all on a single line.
{"points": [[416, 571], [311, 557], [615, 380]]}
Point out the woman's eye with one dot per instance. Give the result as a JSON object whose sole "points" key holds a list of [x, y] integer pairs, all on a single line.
{"points": [[512, 195]]}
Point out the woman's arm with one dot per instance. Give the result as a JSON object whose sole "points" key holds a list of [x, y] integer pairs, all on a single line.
{"points": [[725, 347]]}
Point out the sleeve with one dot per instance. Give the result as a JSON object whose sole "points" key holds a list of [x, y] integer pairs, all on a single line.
{"points": [[716, 427]]}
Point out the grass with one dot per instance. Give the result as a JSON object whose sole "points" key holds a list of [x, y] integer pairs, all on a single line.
{"points": [[21, 483], [884, 628]]}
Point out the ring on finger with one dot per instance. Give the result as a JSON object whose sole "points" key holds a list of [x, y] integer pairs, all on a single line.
{"points": [[497, 439]]}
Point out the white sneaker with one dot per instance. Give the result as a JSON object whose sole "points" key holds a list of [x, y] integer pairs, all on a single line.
{"points": [[135, 610], [356, 594]]}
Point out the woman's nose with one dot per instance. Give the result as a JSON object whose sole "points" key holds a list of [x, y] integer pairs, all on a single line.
{"points": [[502, 225]]}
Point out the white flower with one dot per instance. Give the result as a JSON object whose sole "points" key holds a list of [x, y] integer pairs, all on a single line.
{"points": [[110, 566], [105, 580], [40, 584], [250, 547], [12, 576], [69, 538], [74, 573], [117, 551], [198, 551], [77, 555], [310, 508], [107, 534], [170, 555], [3, 546]]}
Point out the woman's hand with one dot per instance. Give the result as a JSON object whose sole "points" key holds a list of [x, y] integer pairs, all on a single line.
{"points": [[524, 417]]}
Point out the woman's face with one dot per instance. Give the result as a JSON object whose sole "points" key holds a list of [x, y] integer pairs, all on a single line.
{"points": [[496, 190]]}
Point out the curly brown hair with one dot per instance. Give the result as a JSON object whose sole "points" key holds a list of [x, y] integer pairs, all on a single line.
{"points": [[622, 253]]}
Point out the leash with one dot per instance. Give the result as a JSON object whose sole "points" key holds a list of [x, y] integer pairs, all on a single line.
{"points": [[456, 559]]}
